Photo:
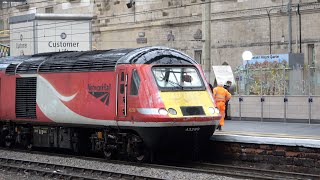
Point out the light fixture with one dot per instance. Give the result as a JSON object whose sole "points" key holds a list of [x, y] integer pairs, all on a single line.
{"points": [[131, 3], [282, 38], [247, 55]]}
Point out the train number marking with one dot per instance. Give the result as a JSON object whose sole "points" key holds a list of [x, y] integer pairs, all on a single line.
{"points": [[192, 129]]}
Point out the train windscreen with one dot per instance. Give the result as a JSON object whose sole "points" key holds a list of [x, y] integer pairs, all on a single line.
{"points": [[178, 78]]}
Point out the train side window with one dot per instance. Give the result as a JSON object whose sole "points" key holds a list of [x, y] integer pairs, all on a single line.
{"points": [[122, 76], [135, 83], [121, 88]]}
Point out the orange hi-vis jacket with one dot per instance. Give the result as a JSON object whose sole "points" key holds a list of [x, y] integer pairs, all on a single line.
{"points": [[221, 94]]}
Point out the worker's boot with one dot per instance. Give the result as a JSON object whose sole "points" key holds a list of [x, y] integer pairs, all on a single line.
{"points": [[219, 128]]}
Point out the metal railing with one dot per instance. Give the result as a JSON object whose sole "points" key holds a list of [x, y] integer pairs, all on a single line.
{"points": [[277, 94]]}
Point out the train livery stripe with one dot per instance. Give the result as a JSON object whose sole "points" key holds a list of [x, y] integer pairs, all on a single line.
{"points": [[148, 111], [166, 124], [52, 89], [50, 103]]}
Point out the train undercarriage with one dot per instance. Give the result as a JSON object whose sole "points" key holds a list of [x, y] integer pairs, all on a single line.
{"points": [[110, 142]]}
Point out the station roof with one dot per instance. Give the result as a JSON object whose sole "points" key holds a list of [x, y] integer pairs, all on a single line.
{"points": [[86, 61]]}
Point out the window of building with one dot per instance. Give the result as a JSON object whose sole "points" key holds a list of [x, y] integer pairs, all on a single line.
{"points": [[135, 83], [49, 10], [198, 56]]}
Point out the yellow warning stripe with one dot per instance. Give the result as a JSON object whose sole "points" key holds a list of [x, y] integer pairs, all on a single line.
{"points": [[178, 99]]}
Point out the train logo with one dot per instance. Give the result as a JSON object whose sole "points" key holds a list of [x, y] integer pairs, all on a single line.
{"points": [[101, 92]]}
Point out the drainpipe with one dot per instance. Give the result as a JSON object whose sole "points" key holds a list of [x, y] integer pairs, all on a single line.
{"points": [[289, 26]]}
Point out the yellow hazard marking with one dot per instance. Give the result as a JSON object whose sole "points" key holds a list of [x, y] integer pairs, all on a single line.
{"points": [[177, 99]]}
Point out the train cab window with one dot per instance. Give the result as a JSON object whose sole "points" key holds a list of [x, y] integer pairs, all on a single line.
{"points": [[122, 76], [121, 88], [178, 78], [135, 83]]}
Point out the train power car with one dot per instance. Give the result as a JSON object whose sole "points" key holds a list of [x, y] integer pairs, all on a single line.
{"points": [[119, 101]]}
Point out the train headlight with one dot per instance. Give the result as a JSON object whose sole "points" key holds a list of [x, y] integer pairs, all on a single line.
{"points": [[211, 110], [163, 111], [217, 110], [172, 111]]}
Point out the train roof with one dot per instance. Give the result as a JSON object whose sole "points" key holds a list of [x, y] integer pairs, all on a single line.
{"points": [[98, 60]]}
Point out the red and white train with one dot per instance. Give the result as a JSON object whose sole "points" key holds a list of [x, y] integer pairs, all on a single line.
{"points": [[119, 101]]}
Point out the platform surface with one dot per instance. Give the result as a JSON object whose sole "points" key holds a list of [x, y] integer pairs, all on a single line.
{"points": [[276, 133]]}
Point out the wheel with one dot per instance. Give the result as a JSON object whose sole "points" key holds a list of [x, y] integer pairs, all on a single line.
{"points": [[8, 144], [108, 154], [144, 157], [29, 147], [137, 151]]}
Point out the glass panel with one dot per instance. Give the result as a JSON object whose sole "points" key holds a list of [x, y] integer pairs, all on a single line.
{"points": [[314, 80], [121, 88], [262, 79], [122, 76], [135, 83], [178, 78]]}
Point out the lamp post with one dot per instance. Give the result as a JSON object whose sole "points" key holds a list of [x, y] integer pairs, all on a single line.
{"points": [[270, 35], [246, 56], [268, 13]]}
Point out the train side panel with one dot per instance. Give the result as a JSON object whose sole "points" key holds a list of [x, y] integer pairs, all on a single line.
{"points": [[7, 96], [72, 98], [77, 98]]}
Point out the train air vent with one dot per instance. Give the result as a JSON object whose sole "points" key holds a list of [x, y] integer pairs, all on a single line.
{"points": [[192, 110], [26, 97], [11, 69]]}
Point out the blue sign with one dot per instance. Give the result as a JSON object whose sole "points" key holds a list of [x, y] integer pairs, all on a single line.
{"points": [[266, 60]]}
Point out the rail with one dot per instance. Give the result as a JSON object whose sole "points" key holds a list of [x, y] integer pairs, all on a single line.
{"points": [[236, 171], [63, 171]]}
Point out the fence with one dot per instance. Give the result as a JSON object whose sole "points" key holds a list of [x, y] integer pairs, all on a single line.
{"points": [[277, 93]]}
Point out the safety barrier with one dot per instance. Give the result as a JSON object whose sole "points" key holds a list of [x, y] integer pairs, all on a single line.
{"points": [[297, 109], [276, 92]]}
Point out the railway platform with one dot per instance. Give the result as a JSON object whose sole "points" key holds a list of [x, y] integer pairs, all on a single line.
{"points": [[274, 133], [275, 145]]}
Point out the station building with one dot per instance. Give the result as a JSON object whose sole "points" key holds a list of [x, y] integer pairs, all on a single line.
{"points": [[266, 91]]}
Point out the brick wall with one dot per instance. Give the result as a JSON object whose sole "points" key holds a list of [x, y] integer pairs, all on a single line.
{"points": [[298, 159]]}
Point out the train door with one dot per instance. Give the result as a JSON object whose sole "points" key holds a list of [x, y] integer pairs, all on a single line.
{"points": [[122, 93]]}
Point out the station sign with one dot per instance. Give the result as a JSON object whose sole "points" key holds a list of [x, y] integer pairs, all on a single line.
{"points": [[40, 33]]}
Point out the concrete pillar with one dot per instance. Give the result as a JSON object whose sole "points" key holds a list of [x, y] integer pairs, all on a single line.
{"points": [[206, 28]]}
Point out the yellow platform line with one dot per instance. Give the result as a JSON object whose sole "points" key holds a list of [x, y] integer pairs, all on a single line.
{"points": [[259, 134]]}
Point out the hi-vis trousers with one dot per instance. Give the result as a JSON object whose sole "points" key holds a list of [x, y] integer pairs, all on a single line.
{"points": [[221, 105]]}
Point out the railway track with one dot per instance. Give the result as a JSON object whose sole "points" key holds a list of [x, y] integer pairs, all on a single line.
{"points": [[63, 171], [239, 172], [194, 167]]}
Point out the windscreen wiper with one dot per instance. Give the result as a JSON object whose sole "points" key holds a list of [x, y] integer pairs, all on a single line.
{"points": [[174, 83]]}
